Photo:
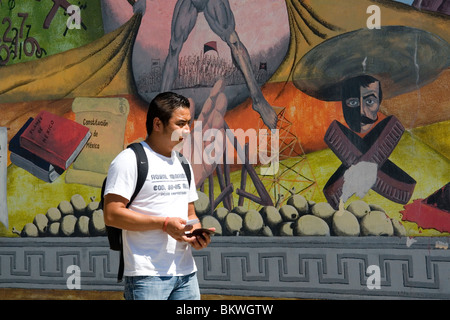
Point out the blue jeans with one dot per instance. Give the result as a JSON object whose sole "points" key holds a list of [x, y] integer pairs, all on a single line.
{"points": [[162, 288]]}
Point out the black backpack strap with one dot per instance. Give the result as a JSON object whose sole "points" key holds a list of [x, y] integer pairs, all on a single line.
{"points": [[121, 266], [142, 170], [186, 167], [142, 167]]}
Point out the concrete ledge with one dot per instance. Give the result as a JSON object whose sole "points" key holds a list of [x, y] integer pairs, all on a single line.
{"points": [[278, 267]]}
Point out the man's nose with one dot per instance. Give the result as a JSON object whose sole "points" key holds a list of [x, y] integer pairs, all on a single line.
{"points": [[186, 129], [363, 109]]}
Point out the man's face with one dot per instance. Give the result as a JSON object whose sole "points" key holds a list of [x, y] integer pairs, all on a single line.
{"points": [[368, 104], [178, 127]]}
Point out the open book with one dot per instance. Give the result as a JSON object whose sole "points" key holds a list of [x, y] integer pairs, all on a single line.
{"points": [[106, 118]]}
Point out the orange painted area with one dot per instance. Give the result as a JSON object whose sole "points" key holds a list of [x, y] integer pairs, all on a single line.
{"points": [[309, 118], [136, 119], [137, 116]]}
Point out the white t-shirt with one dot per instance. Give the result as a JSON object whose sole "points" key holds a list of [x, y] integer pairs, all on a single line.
{"points": [[165, 193]]}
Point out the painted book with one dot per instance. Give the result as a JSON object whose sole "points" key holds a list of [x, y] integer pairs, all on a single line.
{"points": [[30, 162], [55, 139]]}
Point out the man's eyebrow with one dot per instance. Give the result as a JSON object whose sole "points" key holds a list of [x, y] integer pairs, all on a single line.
{"points": [[370, 95]]}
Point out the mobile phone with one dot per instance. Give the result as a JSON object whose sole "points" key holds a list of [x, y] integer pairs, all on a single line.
{"points": [[199, 232]]}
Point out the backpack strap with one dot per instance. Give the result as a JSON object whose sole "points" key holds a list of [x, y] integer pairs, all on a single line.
{"points": [[186, 167], [142, 170], [142, 167]]}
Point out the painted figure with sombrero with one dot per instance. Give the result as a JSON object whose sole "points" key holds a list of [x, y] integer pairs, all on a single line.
{"points": [[360, 69]]}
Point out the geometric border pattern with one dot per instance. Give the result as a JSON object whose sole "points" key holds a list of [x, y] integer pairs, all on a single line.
{"points": [[42, 263], [290, 267], [328, 268]]}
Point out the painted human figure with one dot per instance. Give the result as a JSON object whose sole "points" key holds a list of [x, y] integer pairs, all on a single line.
{"points": [[354, 68], [220, 18], [139, 6], [211, 114], [361, 100]]}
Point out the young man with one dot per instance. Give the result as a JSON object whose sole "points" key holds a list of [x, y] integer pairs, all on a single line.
{"points": [[157, 253]]}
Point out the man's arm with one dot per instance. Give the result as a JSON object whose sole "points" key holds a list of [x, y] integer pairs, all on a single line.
{"points": [[197, 242], [116, 214], [192, 215]]}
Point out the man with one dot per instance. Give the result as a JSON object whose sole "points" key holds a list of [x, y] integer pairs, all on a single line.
{"points": [[157, 252], [353, 67], [361, 99], [365, 146]]}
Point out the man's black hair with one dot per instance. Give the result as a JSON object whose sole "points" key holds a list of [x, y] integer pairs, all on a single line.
{"points": [[162, 107], [351, 89]]}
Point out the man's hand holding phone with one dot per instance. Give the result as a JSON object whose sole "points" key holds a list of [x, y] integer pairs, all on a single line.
{"points": [[198, 238]]}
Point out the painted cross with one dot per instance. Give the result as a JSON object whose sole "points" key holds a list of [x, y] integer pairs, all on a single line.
{"points": [[391, 181]]}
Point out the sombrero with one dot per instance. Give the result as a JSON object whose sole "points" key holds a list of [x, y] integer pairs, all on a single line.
{"points": [[402, 58]]}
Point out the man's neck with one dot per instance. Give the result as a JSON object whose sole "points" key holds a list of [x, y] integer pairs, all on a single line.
{"points": [[152, 141]]}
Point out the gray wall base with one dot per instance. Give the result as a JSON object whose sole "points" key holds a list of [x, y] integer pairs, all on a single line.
{"points": [[281, 267]]}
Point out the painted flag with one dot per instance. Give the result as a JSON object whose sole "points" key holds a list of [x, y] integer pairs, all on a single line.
{"points": [[211, 45]]}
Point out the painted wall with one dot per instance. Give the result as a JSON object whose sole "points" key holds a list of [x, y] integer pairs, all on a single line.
{"points": [[252, 65]]}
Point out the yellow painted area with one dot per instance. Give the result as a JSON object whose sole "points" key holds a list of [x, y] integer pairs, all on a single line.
{"points": [[427, 166], [436, 136]]}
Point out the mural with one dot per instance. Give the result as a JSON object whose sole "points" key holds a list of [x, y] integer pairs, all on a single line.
{"points": [[313, 118]]}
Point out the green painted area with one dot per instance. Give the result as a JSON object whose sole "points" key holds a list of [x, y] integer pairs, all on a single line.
{"points": [[35, 29]]}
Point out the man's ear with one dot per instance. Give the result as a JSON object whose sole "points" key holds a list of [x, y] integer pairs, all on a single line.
{"points": [[157, 124]]}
